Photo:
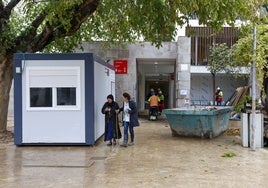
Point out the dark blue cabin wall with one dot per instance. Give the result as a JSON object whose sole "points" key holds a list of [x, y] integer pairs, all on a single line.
{"points": [[17, 101]]}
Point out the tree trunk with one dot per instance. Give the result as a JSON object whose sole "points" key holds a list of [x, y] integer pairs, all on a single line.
{"points": [[265, 102], [6, 76]]}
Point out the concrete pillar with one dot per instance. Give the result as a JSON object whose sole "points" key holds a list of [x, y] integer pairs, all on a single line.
{"points": [[141, 95], [171, 94], [183, 75]]}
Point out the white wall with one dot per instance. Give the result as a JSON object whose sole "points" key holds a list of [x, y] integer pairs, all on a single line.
{"points": [[201, 86], [104, 84]]}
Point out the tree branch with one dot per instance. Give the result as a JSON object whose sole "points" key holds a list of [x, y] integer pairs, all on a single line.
{"points": [[32, 42], [82, 13], [30, 33], [51, 32], [6, 11], [1, 6]]}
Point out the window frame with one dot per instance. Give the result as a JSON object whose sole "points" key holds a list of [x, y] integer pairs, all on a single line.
{"points": [[54, 107]]}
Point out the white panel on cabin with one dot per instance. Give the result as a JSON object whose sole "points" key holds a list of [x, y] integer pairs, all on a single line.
{"points": [[53, 127], [60, 124], [102, 88], [54, 81], [52, 71], [53, 76]]}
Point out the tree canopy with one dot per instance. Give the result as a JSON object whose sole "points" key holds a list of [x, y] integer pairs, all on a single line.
{"points": [[57, 24], [119, 21], [218, 62], [242, 55], [218, 58]]}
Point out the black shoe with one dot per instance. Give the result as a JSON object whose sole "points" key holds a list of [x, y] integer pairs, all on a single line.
{"points": [[109, 144]]}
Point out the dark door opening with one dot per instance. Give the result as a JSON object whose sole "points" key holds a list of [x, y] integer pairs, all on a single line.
{"points": [[162, 85]]}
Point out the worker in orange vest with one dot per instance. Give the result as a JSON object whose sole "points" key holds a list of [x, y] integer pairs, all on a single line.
{"points": [[153, 100]]}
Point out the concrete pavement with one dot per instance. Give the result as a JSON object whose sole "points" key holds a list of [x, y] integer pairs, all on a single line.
{"points": [[156, 160]]}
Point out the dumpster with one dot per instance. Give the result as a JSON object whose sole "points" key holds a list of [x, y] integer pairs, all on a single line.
{"points": [[198, 121]]}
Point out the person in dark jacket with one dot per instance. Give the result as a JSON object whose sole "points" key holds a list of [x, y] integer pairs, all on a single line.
{"points": [[112, 130], [130, 119]]}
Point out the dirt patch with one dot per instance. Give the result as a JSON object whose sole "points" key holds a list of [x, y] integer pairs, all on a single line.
{"points": [[6, 137], [232, 132]]}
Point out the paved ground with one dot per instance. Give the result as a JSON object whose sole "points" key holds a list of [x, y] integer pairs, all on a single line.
{"points": [[156, 160]]}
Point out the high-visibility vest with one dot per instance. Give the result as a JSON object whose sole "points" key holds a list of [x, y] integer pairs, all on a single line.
{"points": [[161, 97], [154, 100]]}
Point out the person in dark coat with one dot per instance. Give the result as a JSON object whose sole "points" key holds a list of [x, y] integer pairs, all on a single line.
{"points": [[130, 119], [112, 130]]}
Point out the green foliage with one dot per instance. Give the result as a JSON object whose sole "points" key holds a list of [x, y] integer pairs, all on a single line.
{"points": [[229, 154], [242, 51], [129, 21], [119, 21], [115, 21], [219, 58], [240, 107]]}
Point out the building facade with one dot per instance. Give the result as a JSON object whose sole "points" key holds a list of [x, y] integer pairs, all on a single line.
{"points": [[176, 68]]}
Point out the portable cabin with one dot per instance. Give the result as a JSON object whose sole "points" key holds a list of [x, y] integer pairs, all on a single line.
{"points": [[58, 98]]}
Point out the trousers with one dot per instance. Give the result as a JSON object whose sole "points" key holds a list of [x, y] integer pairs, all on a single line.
{"points": [[127, 127]]}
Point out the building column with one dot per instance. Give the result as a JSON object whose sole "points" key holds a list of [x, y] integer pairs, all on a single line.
{"points": [[183, 74]]}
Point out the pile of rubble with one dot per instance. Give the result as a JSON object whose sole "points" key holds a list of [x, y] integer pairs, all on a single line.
{"points": [[232, 132]]}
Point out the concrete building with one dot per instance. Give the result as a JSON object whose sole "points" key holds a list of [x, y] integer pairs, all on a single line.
{"points": [[169, 68]]}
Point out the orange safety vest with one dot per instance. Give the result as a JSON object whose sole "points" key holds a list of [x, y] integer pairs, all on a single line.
{"points": [[154, 100]]}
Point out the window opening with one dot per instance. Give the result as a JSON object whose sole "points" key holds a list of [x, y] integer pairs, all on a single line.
{"points": [[66, 96], [41, 97]]}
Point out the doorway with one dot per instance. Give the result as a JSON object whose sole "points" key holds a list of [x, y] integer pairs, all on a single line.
{"points": [[155, 73], [162, 85]]}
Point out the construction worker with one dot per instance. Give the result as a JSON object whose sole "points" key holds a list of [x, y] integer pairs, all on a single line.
{"points": [[219, 95], [161, 104], [153, 100]]}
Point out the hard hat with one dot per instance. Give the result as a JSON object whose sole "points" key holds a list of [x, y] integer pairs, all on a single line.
{"points": [[218, 88]]}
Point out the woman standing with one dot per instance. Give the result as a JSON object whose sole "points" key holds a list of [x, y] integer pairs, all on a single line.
{"points": [[112, 130], [130, 119]]}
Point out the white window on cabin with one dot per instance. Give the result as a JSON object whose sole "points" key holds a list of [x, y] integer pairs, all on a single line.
{"points": [[40, 97], [53, 88], [66, 96]]}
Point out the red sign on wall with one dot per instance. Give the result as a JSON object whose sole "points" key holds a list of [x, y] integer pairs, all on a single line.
{"points": [[120, 66]]}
